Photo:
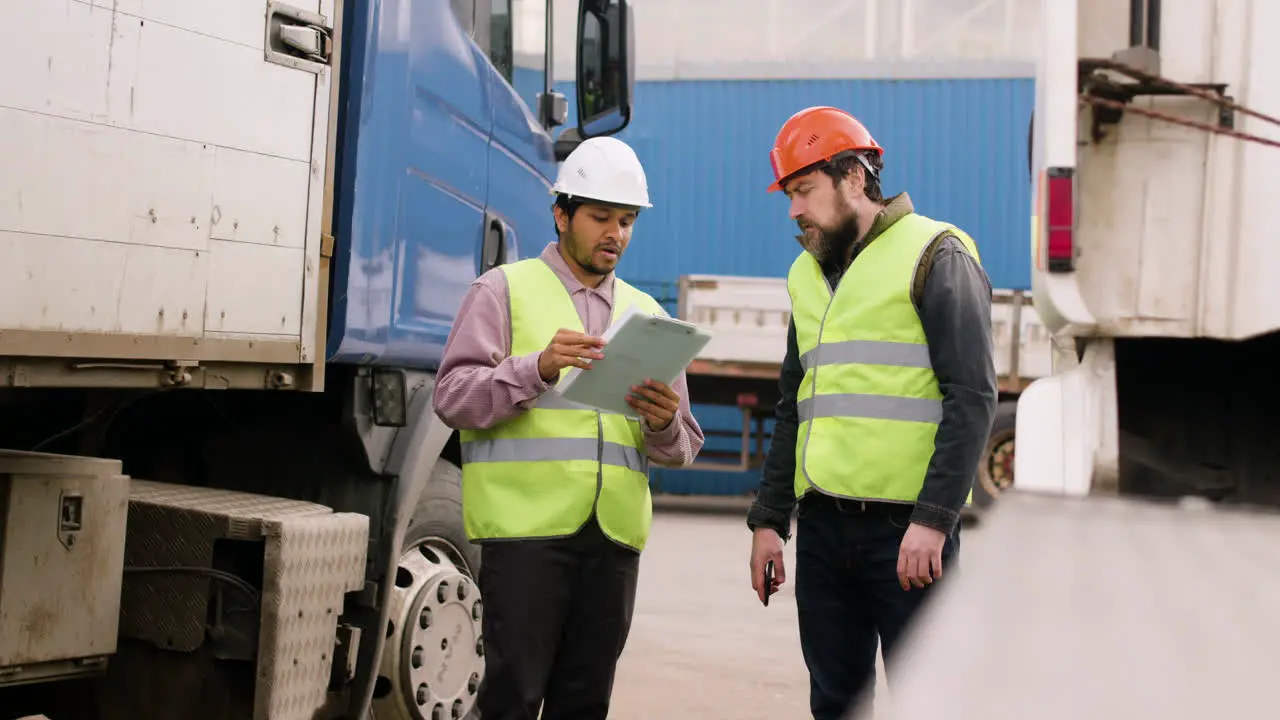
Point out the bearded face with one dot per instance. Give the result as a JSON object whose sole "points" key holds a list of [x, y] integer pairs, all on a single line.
{"points": [[827, 221]]}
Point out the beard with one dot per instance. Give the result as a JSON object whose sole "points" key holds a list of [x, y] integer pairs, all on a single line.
{"points": [[832, 244], [584, 254]]}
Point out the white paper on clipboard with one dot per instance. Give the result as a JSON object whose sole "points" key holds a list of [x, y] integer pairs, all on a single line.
{"points": [[638, 346]]}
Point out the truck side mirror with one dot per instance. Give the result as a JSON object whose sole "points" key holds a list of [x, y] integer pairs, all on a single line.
{"points": [[605, 72]]}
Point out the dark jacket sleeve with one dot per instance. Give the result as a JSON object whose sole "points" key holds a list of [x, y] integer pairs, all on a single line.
{"points": [[955, 310], [776, 497]]}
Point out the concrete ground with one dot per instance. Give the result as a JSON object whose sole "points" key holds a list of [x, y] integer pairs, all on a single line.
{"points": [[702, 645]]}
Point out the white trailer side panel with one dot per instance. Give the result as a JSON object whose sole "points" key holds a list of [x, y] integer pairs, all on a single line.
{"points": [[1172, 222], [162, 181], [1250, 302]]}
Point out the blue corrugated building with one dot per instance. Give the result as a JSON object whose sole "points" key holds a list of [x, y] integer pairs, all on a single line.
{"points": [[958, 145]]}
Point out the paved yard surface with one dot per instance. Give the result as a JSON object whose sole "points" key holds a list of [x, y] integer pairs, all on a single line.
{"points": [[702, 646]]}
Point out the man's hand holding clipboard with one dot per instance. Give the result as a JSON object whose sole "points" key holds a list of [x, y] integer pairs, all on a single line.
{"points": [[656, 402], [642, 355]]}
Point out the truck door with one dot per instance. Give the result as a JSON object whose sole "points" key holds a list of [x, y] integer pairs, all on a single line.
{"points": [[521, 161], [417, 130]]}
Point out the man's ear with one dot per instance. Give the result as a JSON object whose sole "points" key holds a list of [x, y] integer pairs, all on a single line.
{"points": [[858, 179], [852, 184], [562, 219]]}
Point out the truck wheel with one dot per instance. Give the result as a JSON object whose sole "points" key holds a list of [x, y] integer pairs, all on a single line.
{"points": [[433, 660], [995, 471]]}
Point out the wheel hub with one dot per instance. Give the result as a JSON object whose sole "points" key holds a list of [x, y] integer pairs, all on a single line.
{"points": [[433, 660], [1002, 465]]}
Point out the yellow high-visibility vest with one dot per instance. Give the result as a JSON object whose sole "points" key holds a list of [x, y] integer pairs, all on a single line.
{"points": [[542, 473], [869, 402]]}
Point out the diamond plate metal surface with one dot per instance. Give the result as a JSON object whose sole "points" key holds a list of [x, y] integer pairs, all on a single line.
{"points": [[312, 556], [176, 526], [310, 563], [1100, 608]]}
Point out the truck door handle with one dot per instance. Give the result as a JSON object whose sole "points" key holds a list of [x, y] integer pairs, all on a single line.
{"points": [[494, 250], [297, 38]]}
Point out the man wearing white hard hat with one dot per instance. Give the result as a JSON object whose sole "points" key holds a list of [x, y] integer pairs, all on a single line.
{"points": [[558, 494]]}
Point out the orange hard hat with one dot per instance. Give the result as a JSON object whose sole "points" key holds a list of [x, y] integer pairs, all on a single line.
{"points": [[816, 135]]}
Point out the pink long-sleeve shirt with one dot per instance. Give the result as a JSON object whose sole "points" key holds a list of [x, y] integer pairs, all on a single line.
{"points": [[479, 384]]}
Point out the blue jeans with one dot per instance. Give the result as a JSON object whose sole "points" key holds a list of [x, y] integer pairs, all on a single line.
{"points": [[848, 596]]}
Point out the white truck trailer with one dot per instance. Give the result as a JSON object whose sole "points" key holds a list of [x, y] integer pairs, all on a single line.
{"points": [[1132, 572]]}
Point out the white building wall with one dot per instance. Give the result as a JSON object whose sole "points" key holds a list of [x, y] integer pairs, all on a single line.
{"points": [[747, 39]]}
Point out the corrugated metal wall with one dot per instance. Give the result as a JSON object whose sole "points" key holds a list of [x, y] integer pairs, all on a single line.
{"points": [[957, 145]]}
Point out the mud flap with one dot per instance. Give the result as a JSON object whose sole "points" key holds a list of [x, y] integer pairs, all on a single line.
{"points": [[1067, 428]]}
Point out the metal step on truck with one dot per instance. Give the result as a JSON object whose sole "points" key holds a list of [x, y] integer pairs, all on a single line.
{"points": [[233, 238], [741, 364], [1132, 571]]}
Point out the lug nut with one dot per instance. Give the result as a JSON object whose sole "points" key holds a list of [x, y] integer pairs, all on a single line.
{"points": [[462, 591], [423, 694], [475, 610], [474, 683], [442, 592], [424, 618], [457, 710], [480, 646], [438, 712], [417, 658]]}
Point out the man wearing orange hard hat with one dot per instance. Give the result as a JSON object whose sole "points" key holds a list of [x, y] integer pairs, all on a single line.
{"points": [[888, 395]]}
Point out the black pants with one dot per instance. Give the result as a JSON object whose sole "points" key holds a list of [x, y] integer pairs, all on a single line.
{"points": [[556, 618], [848, 595]]}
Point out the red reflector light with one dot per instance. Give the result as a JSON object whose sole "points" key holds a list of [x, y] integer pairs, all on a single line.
{"points": [[1060, 214]]}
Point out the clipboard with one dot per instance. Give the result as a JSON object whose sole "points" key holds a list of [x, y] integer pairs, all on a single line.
{"points": [[638, 346]]}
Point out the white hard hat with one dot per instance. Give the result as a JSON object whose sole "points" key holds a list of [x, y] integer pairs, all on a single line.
{"points": [[604, 169]]}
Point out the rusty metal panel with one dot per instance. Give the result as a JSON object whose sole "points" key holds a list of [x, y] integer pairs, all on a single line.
{"points": [[62, 534]]}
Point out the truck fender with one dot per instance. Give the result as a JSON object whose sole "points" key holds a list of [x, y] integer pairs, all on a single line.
{"points": [[1067, 428], [411, 457]]}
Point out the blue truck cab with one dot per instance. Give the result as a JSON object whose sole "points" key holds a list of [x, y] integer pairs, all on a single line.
{"points": [[443, 165], [446, 158]]}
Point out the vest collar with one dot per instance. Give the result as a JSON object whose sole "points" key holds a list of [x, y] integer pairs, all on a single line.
{"points": [[898, 207]]}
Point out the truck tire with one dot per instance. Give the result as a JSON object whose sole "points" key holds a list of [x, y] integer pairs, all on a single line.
{"points": [[433, 660], [439, 515], [995, 470]]}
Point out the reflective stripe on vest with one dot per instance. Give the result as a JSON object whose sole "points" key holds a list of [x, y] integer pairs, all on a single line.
{"points": [[554, 450], [869, 402], [544, 472]]}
